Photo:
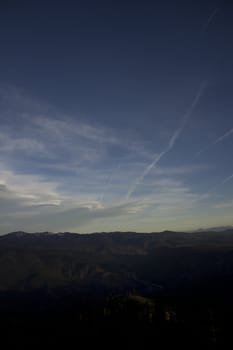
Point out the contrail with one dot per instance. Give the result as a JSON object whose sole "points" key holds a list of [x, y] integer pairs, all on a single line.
{"points": [[172, 141], [211, 17], [229, 178], [219, 139], [206, 194]]}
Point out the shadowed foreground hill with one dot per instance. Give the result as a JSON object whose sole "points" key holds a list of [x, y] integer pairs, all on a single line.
{"points": [[163, 286]]}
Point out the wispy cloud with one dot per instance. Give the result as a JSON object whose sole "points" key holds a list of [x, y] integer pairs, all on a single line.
{"points": [[63, 127], [218, 140], [224, 205], [29, 189], [61, 172], [227, 134], [109, 180], [181, 170], [31, 203], [172, 141], [10, 144], [213, 189], [229, 178]]}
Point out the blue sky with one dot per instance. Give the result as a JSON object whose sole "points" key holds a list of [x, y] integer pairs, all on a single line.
{"points": [[116, 115]]}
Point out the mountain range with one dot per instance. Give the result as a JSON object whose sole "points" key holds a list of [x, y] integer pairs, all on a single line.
{"points": [[158, 288], [165, 262]]}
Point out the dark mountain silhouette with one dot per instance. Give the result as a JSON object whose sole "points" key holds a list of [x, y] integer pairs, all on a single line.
{"points": [[114, 261], [216, 229], [173, 287]]}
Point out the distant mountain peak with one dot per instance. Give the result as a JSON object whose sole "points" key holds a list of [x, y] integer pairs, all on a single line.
{"points": [[18, 234], [21, 234], [215, 229]]}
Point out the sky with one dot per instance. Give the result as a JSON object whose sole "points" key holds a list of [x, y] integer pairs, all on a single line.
{"points": [[116, 115]]}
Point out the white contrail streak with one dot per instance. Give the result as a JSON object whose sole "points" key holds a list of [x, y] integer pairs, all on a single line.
{"points": [[211, 17], [213, 189], [172, 141], [219, 139], [227, 134], [229, 178]]}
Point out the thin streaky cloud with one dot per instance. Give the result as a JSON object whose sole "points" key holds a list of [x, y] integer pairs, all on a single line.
{"points": [[229, 178], [227, 134], [218, 140], [211, 17], [213, 189], [172, 141], [224, 205]]}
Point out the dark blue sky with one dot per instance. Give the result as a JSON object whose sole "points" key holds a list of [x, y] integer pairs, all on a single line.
{"points": [[116, 115]]}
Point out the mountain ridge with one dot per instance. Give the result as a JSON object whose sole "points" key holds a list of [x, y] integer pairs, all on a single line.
{"points": [[114, 261], [45, 233]]}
